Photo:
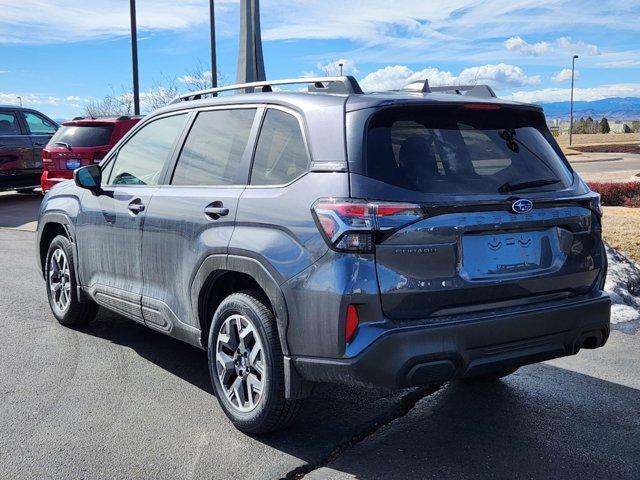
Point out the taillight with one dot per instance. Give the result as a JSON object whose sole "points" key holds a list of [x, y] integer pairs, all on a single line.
{"points": [[352, 225], [46, 158], [351, 323]]}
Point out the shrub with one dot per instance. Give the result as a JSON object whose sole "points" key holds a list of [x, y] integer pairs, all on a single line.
{"points": [[615, 194], [633, 202]]}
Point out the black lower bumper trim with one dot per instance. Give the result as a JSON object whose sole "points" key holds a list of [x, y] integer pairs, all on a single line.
{"points": [[414, 356]]}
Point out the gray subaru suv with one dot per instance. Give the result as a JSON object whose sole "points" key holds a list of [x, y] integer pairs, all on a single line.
{"points": [[392, 239]]}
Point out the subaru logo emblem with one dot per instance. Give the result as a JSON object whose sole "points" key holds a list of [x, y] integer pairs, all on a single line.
{"points": [[522, 206]]}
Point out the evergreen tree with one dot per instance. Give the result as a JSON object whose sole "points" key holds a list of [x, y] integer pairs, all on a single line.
{"points": [[604, 125]]}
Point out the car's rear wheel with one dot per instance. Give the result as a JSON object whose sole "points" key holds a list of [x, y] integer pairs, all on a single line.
{"points": [[61, 285], [246, 365]]}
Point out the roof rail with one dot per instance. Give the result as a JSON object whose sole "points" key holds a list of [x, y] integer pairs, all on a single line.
{"points": [[346, 84], [481, 91]]}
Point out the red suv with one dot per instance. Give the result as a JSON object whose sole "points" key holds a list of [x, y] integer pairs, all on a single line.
{"points": [[80, 142]]}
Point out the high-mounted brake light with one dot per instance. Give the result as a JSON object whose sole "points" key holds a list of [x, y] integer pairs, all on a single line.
{"points": [[350, 225], [480, 106]]}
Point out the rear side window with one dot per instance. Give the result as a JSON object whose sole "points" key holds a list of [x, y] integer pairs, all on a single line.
{"points": [[141, 160], [212, 153], [281, 155], [38, 125], [83, 135], [9, 124], [454, 150]]}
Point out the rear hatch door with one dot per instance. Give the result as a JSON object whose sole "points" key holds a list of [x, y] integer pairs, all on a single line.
{"points": [[506, 221]]}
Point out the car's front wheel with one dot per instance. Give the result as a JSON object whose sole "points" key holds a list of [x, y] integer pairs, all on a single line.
{"points": [[246, 365], [61, 285]]}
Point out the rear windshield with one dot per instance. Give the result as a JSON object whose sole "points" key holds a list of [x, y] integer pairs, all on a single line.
{"points": [[83, 135], [458, 150]]}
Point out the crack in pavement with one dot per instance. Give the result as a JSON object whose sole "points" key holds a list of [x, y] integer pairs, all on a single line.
{"points": [[405, 405]]}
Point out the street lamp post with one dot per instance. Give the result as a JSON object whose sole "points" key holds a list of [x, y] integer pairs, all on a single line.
{"points": [[573, 69], [341, 65], [134, 58], [212, 21], [20, 100]]}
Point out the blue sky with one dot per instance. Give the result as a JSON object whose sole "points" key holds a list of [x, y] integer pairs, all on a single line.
{"points": [[59, 54]]}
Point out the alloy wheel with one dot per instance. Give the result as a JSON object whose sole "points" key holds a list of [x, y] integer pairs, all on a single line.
{"points": [[240, 363], [60, 280]]}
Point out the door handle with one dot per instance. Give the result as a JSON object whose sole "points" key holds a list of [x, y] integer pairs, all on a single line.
{"points": [[136, 207], [216, 210]]}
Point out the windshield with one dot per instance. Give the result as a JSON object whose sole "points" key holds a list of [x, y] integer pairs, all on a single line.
{"points": [[83, 135], [457, 150]]}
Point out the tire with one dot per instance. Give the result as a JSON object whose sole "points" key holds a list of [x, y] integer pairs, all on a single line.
{"points": [[490, 377], [235, 381], [28, 191], [61, 286]]}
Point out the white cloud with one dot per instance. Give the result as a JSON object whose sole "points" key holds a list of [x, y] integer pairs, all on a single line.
{"points": [[587, 94], [577, 47], [333, 67], [29, 99], [560, 45], [564, 75], [37, 21], [517, 44], [397, 76]]}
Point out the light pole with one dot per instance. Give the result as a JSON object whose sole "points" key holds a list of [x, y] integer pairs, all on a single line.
{"points": [[341, 65], [212, 21], [20, 100], [134, 58], [573, 69]]}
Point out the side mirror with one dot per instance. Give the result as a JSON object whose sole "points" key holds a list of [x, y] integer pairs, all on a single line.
{"points": [[89, 177]]}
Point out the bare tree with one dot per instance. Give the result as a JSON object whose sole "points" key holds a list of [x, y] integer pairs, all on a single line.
{"points": [[161, 94], [198, 78], [114, 104]]}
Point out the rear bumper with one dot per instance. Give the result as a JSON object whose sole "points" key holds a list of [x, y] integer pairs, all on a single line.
{"points": [[51, 178], [406, 356]]}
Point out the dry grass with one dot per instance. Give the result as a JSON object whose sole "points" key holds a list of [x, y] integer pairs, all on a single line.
{"points": [[599, 138], [621, 230]]}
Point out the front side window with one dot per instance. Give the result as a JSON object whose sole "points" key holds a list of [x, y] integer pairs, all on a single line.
{"points": [[213, 151], [9, 124], [281, 155], [39, 125], [141, 159], [454, 150]]}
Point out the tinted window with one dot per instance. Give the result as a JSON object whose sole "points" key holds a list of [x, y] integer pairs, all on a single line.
{"points": [[140, 160], [83, 135], [281, 155], [213, 150], [39, 125], [9, 124], [458, 150]]}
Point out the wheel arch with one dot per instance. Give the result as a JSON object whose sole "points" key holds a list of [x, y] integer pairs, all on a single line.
{"points": [[221, 275]]}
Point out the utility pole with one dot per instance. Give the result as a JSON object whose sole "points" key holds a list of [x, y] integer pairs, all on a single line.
{"points": [[214, 67], [573, 69], [134, 58]]}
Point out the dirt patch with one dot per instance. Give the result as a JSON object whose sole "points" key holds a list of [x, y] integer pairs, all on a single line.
{"points": [[609, 148], [620, 229]]}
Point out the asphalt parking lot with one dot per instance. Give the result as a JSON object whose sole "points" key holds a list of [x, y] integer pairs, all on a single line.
{"points": [[116, 400]]}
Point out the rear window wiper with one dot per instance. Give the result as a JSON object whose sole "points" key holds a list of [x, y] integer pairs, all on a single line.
{"points": [[514, 187]]}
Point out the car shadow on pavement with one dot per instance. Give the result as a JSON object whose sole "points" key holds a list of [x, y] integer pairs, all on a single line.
{"points": [[542, 422], [19, 209]]}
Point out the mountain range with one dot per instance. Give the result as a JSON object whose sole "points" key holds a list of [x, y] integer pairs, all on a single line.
{"points": [[615, 108]]}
